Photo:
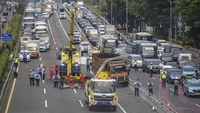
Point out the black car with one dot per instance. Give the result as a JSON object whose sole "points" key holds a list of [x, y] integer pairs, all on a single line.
{"points": [[156, 63]]}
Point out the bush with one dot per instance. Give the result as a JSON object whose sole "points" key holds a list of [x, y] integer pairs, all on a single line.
{"points": [[4, 57]]}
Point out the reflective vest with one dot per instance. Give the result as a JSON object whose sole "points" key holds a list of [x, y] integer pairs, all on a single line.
{"points": [[135, 62], [164, 76], [16, 60]]}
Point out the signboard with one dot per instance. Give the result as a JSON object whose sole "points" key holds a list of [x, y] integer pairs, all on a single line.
{"points": [[6, 37]]}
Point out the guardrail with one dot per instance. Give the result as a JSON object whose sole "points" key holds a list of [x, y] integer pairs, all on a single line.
{"points": [[152, 100]]}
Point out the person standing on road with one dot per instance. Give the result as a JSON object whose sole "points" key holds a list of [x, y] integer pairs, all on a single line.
{"points": [[88, 64], [151, 70], [24, 57], [16, 62], [56, 68], [82, 81], [15, 72], [176, 84], [150, 87], [135, 65], [55, 79], [31, 77], [40, 70], [37, 79], [163, 77], [51, 73], [61, 81], [137, 87]]}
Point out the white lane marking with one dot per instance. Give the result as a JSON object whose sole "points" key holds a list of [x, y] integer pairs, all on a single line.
{"points": [[61, 25], [91, 72], [75, 91], [171, 89], [154, 78], [121, 108], [45, 91], [46, 103], [43, 81], [51, 32], [197, 105], [81, 103]]}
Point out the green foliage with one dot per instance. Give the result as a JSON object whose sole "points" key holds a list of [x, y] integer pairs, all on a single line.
{"points": [[4, 57]]}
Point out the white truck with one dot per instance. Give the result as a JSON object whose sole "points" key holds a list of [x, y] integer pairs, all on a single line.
{"points": [[33, 48], [110, 29], [182, 57]]}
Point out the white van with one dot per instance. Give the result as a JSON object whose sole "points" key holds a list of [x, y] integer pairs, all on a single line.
{"points": [[40, 30], [28, 21]]}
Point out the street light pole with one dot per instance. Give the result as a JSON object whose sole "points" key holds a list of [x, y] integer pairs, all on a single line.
{"points": [[127, 16], [111, 13], [170, 29]]}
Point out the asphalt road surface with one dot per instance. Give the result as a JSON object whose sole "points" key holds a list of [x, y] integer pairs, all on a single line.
{"points": [[46, 98]]}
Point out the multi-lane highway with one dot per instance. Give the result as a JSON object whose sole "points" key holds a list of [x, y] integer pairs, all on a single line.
{"points": [[46, 98]]}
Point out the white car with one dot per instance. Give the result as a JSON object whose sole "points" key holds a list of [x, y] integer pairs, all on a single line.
{"points": [[85, 47], [21, 55], [132, 57], [165, 68]]}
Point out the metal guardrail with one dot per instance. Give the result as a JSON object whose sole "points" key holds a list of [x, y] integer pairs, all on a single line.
{"points": [[152, 100]]}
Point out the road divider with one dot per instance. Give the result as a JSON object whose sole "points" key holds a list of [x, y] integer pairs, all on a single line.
{"points": [[62, 26], [45, 102], [121, 108], [51, 32], [81, 103]]}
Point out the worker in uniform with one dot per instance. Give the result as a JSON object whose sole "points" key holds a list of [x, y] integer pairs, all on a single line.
{"points": [[31, 77], [15, 72], [40, 70], [151, 70], [16, 62], [88, 64], [82, 81], [70, 80], [176, 84], [51, 73], [137, 87], [135, 65], [150, 87], [37, 78], [163, 77], [55, 79], [24, 57], [62, 81]]}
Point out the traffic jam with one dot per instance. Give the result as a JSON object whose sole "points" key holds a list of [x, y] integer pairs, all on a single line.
{"points": [[112, 59]]}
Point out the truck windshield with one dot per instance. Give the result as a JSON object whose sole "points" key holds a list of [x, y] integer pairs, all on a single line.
{"points": [[103, 86], [110, 44], [119, 68]]}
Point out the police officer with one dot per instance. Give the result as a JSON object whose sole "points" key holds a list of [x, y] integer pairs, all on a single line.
{"points": [[135, 65], [16, 62], [55, 79], [37, 78], [176, 84], [150, 87], [31, 77], [151, 70], [163, 77], [15, 72], [24, 57], [137, 87], [61, 81]]}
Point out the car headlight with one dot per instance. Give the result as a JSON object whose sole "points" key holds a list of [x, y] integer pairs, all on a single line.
{"points": [[172, 76]]}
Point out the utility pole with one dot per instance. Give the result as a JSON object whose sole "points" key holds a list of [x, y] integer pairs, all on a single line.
{"points": [[126, 16], [170, 29], [111, 13]]}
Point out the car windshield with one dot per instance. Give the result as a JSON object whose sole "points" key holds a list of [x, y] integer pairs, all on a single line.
{"points": [[85, 44], [155, 62], [188, 69], [176, 72], [103, 86], [110, 43], [137, 58], [196, 84]]}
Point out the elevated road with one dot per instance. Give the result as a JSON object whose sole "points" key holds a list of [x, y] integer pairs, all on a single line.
{"points": [[46, 98]]}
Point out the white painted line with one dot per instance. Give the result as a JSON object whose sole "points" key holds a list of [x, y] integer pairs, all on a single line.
{"points": [[171, 89], [197, 105], [51, 33], [46, 103], [81, 103], [153, 78], [43, 81], [91, 72], [121, 107], [45, 91], [75, 91], [61, 25]]}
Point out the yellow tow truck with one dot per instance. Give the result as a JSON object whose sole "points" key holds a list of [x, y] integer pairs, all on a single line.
{"points": [[101, 90]]}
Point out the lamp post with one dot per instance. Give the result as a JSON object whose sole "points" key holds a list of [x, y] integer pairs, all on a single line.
{"points": [[170, 29], [111, 13], [126, 16]]}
